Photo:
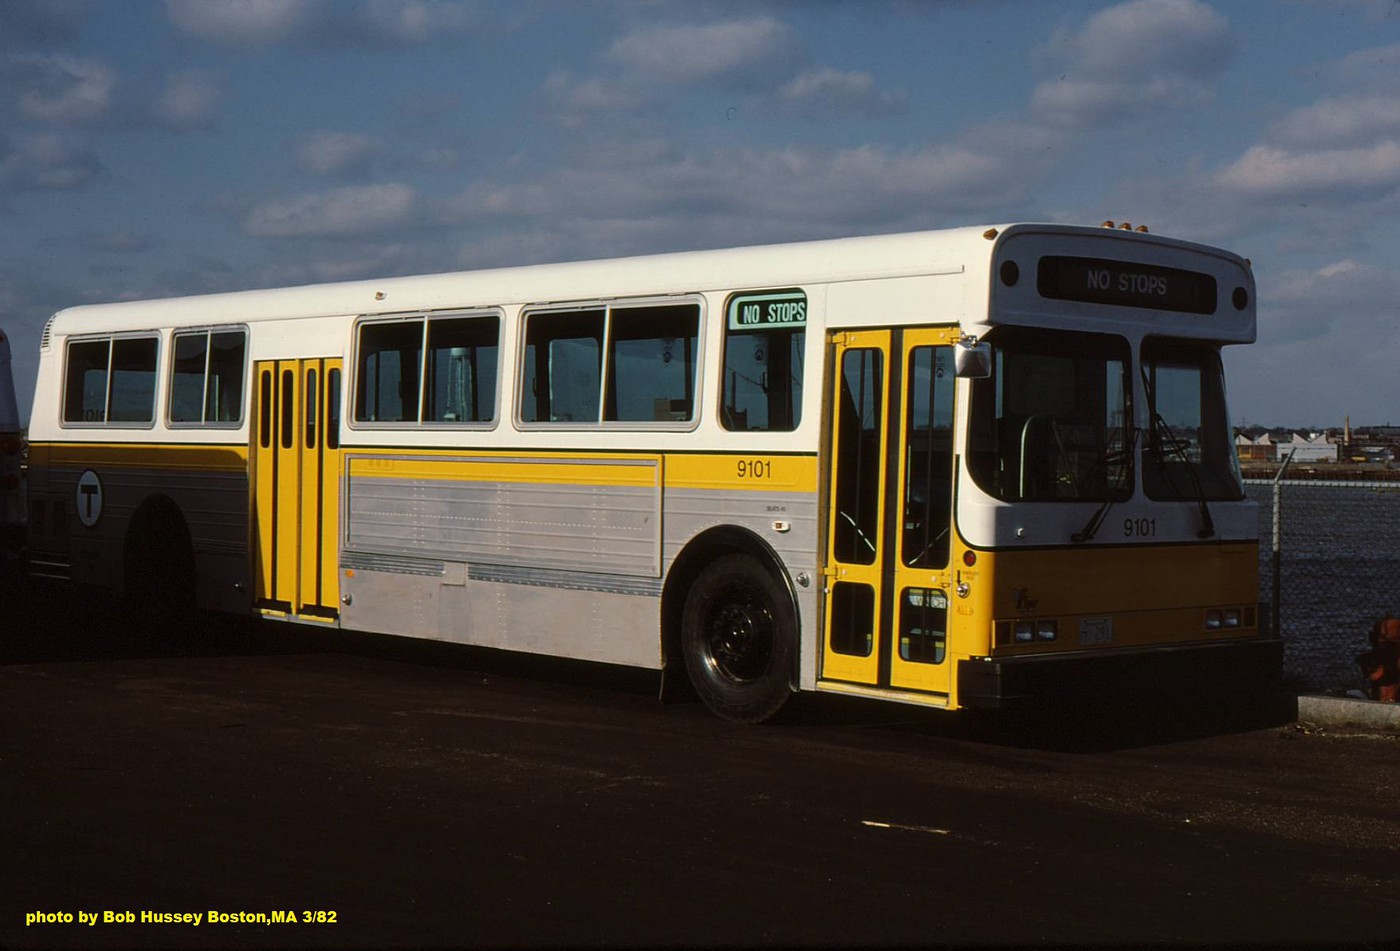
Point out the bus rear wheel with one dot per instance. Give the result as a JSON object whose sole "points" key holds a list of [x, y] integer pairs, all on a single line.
{"points": [[739, 639], [160, 579]]}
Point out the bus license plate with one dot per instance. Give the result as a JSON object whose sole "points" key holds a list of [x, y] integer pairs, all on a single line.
{"points": [[1096, 630]]}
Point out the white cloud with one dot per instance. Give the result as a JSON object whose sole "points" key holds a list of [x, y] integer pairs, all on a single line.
{"points": [[750, 194], [368, 23], [574, 101], [1309, 303], [190, 100], [1377, 68], [1133, 61], [340, 213], [412, 22], [829, 92], [1348, 120], [46, 162], [59, 89], [335, 154], [733, 52], [1265, 171], [244, 22]]}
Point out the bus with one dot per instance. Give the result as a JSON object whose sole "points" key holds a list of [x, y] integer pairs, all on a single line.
{"points": [[11, 455], [977, 468]]}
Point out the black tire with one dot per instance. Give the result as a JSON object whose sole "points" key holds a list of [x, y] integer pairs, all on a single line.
{"points": [[160, 580], [739, 639]]}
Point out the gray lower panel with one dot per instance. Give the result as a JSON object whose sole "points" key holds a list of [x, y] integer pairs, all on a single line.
{"points": [[608, 529], [572, 580]]}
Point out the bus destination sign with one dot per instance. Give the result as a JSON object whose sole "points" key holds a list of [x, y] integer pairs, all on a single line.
{"points": [[768, 311], [1100, 281]]}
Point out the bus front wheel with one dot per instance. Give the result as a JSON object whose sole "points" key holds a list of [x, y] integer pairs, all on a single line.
{"points": [[739, 639]]}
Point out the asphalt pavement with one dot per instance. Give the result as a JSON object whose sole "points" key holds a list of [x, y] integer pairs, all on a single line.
{"points": [[263, 785]]}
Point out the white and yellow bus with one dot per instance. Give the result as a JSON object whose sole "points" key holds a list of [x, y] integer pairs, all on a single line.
{"points": [[974, 468]]}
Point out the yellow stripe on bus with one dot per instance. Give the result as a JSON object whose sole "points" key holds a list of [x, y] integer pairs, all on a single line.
{"points": [[148, 455], [730, 471], [635, 471]]}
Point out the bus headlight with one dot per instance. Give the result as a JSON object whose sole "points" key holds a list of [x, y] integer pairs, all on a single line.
{"points": [[1230, 617], [1214, 619], [1046, 630], [1025, 632]]}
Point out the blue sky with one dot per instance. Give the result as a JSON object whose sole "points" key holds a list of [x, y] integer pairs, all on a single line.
{"points": [[152, 149]]}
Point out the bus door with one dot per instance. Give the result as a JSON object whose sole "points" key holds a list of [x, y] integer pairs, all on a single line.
{"points": [[296, 479], [890, 499]]}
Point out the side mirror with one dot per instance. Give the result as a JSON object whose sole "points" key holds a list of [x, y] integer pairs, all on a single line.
{"points": [[972, 360]]}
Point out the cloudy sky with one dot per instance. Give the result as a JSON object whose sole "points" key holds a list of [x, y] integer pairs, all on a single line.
{"points": [[150, 149]]}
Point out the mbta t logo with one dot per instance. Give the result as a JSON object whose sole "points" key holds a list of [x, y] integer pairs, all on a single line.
{"points": [[89, 498]]}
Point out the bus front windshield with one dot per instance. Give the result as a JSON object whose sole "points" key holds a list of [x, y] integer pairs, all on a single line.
{"points": [[1053, 421], [1187, 451]]}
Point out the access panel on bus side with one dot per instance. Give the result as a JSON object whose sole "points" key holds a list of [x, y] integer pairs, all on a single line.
{"points": [[888, 622]]}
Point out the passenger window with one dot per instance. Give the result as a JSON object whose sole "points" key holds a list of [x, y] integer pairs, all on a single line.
{"points": [[763, 362], [133, 394], [386, 378], [223, 392], [85, 390], [563, 367], [652, 363], [111, 381], [206, 382], [187, 377], [461, 370]]}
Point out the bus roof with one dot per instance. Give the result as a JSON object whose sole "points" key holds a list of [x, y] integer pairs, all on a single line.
{"points": [[840, 259]]}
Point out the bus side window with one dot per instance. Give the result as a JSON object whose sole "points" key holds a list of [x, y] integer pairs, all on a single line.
{"points": [[651, 363], [387, 377], [563, 367], [133, 380], [85, 391], [223, 391], [188, 366], [206, 381], [461, 370], [762, 383]]}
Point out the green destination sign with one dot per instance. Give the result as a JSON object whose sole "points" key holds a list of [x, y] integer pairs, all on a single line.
{"points": [[768, 311]]}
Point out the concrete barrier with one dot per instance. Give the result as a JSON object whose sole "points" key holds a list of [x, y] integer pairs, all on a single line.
{"points": [[1349, 712]]}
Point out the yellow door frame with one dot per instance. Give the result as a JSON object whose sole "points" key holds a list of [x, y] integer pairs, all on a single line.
{"points": [[295, 462], [882, 616]]}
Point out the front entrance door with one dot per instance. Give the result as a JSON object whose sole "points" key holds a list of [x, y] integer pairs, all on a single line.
{"points": [[890, 500], [296, 479]]}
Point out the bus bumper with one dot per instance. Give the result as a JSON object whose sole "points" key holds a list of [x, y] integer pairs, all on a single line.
{"points": [[1222, 669]]}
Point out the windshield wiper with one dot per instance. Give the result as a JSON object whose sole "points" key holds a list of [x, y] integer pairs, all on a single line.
{"points": [[1091, 527], [1163, 436]]}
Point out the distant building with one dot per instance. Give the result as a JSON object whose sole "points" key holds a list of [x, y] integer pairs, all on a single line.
{"points": [[1259, 449], [1315, 448]]}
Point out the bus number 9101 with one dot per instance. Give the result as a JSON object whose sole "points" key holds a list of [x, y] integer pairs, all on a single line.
{"points": [[755, 469]]}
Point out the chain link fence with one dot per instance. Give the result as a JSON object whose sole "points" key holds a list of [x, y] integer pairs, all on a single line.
{"points": [[1331, 570]]}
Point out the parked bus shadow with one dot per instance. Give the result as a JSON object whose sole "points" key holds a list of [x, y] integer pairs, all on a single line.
{"points": [[55, 623], [50, 622], [1103, 725]]}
